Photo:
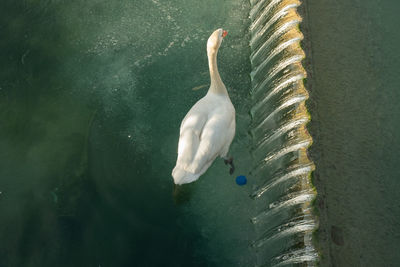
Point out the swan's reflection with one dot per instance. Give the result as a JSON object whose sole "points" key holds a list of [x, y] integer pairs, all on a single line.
{"points": [[182, 193]]}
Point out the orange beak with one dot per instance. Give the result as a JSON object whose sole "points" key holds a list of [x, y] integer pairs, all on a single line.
{"points": [[224, 33]]}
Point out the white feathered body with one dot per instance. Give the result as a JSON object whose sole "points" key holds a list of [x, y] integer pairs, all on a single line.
{"points": [[206, 132]]}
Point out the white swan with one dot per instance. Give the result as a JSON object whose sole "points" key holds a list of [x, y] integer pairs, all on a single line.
{"points": [[209, 127]]}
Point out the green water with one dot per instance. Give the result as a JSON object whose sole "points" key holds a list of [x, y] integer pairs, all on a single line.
{"points": [[91, 98], [354, 105], [92, 94]]}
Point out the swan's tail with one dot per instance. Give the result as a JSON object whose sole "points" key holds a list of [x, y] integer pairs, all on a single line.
{"points": [[183, 177]]}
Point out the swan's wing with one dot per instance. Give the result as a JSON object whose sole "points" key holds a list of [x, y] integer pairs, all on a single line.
{"points": [[189, 139], [229, 138], [212, 140]]}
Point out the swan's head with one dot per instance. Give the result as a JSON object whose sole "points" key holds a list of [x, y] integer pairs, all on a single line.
{"points": [[215, 40]]}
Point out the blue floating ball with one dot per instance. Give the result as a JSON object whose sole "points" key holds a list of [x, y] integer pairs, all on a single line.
{"points": [[241, 180]]}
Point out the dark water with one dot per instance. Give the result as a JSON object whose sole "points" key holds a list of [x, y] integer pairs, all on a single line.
{"points": [[91, 97], [354, 105], [92, 94]]}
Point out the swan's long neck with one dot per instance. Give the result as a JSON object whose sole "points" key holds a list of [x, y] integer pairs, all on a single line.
{"points": [[217, 86]]}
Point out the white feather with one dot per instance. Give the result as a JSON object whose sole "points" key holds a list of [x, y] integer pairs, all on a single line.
{"points": [[206, 133], [208, 128]]}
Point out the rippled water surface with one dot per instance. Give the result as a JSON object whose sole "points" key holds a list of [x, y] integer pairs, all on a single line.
{"points": [[92, 94]]}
